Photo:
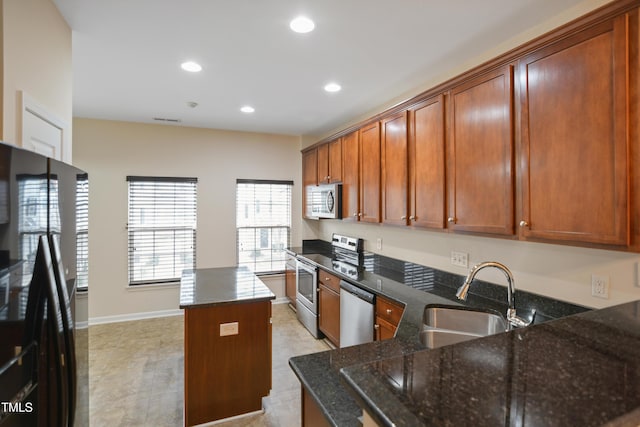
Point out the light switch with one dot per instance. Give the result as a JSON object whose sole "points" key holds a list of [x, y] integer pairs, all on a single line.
{"points": [[227, 329]]}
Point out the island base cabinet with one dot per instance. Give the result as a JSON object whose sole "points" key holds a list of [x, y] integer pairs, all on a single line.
{"points": [[367, 420], [227, 360], [311, 413]]}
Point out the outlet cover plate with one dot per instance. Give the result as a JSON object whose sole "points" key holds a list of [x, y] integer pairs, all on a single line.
{"points": [[460, 259], [600, 286]]}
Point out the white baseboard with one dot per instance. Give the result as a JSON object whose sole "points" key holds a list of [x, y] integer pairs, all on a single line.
{"points": [[133, 316], [82, 325], [146, 315]]}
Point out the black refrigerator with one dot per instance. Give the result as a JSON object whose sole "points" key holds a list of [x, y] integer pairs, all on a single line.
{"points": [[43, 243]]}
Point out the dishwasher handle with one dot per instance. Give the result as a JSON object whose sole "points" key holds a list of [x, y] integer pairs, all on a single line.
{"points": [[357, 291]]}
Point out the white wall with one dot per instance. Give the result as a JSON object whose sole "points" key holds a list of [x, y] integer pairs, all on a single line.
{"points": [[109, 151], [36, 45], [561, 272]]}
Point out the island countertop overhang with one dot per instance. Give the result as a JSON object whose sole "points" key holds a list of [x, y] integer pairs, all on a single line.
{"points": [[205, 287]]}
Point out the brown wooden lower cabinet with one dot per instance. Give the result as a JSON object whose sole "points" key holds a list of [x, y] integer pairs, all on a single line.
{"points": [[388, 315], [290, 284], [384, 329], [311, 414], [226, 375], [329, 306]]}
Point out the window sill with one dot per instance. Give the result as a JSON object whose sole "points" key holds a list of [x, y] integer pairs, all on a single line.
{"points": [[152, 287], [270, 273]]}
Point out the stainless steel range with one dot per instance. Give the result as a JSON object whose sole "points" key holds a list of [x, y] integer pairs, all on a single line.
{"points": [[347, 254]]}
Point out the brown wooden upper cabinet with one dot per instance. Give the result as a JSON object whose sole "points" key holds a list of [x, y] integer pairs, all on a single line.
{"points": [[309, 174], [427, 164], [370, 173], [395, 170], [351, 176], [480, 154], [330, 162], [574, 164]]}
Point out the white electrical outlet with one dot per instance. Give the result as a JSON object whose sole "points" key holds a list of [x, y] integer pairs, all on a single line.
{"points": [[600, 286], [379, 243], [461, 259]]}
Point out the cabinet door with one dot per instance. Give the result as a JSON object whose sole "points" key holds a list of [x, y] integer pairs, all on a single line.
{"points": [[350, 176], [480, 181], [323, 164], [290, 284], [309, 175], [311, 413], [574, 138], [427, 164], [329, 314], [370, 173], [395, 170], [384, 330], [335, 160]]}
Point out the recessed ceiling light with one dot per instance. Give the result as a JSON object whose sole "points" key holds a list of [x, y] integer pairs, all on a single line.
{"points": [[332, 87], [302, 24], [191, 66], [247, 109]]}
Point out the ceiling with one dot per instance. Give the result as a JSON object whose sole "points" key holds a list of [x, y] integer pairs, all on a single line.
{"points": [[127, 56]]}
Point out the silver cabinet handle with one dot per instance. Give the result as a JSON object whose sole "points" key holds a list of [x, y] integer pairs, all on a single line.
{"points": [[403, 217], [355, 214], [412, 217], [389, 311], [524, 223], [451, 219], [360, 214]]}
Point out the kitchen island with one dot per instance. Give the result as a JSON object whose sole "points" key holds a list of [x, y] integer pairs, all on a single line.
{"points": [[227, 343]]}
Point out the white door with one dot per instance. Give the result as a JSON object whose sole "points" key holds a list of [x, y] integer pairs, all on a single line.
{"points": [[41, 136], [42, 131]]}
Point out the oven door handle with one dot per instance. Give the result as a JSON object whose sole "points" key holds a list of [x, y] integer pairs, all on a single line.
{"points": [[307, 267]]}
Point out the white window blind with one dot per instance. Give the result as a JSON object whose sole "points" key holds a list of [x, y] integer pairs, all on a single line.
{"points": [[32, 215], [82, 231], [263, 224], [162, 228]]}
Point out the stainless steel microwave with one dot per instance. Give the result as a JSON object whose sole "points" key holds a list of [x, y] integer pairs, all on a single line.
{"points": [[324, 201]]}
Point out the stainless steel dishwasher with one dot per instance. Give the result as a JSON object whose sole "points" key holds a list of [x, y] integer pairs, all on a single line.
{"points": [[356, 315]]}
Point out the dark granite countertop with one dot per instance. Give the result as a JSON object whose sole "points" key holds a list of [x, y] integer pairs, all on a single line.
{"points": [[320, 372], [580, 370], [224, 285]]}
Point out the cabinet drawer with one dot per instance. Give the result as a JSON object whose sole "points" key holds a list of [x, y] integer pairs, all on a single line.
{"points": [[329, 280], [389, 310]]}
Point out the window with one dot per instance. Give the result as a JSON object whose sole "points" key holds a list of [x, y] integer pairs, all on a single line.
{"points": [[263, 224], [32, 222], [82, 231], [162, 228]]}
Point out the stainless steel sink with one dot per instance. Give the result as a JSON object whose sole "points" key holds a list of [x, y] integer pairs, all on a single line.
{"points": [[445, 325]]}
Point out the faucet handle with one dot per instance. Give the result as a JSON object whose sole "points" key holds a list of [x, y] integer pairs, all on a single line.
{"points": [[516, 321]]}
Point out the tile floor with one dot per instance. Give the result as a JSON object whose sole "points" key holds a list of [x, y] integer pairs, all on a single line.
{"points": [[136, 373]]}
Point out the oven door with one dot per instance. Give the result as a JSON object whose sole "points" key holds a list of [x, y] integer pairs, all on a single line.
{"points": [[307, 285]]}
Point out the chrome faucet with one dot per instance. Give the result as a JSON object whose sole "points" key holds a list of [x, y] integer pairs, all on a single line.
{"points": [[512, 318]]}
